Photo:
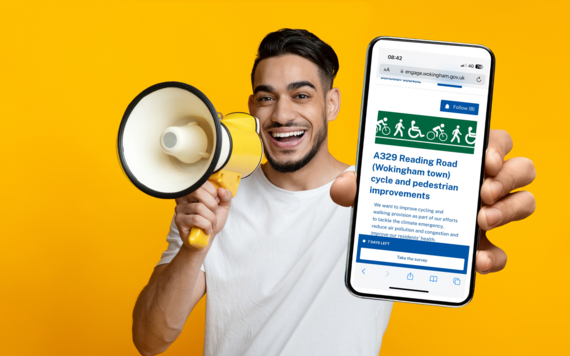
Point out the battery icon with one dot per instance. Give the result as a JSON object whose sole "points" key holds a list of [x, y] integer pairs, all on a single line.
{"points": [[479, 66]]}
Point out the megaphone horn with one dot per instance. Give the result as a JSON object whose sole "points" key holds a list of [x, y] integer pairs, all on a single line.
{"points": [[171, 140]]}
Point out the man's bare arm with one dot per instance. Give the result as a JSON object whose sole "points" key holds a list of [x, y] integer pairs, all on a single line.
{"points": [[174, 289], [166, 302]]}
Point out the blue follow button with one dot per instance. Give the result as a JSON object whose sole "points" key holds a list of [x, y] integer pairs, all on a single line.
{"points": [[459, 107]]}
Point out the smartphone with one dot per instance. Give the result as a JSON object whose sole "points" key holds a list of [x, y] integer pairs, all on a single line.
{"points": [[424, 130]]}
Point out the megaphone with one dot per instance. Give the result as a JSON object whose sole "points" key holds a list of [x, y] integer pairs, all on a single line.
{"points": [[171, 141]]}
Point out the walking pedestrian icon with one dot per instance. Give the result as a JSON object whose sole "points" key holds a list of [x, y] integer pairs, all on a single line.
{"points": [[456, 132], [427, 132], [399, 128]]}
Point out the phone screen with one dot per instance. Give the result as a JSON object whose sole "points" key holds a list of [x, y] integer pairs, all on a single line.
{"points": [[423, 136]]}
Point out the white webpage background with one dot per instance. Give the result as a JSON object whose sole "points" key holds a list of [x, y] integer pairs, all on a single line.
{"points": [[422, 99]]}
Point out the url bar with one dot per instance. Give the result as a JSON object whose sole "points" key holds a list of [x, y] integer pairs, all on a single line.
{"points": [[431, 75]]}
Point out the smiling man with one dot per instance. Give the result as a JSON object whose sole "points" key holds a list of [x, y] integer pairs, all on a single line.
{"points": [[274, 267]]}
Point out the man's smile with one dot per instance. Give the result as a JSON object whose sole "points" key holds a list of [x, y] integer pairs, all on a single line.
{"points": [[287, 138]]}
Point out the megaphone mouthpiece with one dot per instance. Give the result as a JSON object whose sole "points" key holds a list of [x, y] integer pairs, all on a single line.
{"points": [[188, 142]]}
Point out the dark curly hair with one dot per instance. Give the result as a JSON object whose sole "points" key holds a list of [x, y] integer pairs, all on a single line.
{"points": [[302, 43]]}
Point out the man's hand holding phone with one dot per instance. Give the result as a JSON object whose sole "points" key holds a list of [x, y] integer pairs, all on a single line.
{"points": [[205, 208], [500, 205]]}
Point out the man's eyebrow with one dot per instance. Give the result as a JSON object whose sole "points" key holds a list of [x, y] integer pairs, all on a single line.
{"points": [[297, 85], [267, 88]]}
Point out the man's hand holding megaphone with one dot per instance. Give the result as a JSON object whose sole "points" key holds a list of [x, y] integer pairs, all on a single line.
{"points": [[206, 208]]}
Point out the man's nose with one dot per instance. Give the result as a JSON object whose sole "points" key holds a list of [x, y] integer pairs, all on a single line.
{"points": [[283, 112]]}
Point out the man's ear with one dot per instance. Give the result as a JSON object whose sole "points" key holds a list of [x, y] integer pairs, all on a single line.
{"points": [[250, 104], [333, 103]]}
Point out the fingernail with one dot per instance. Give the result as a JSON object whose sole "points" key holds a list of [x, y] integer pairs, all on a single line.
{"points": [[494, 216], [496, 189]]}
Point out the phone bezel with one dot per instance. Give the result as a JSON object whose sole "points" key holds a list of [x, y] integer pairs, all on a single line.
{"points": [[351, 251]]}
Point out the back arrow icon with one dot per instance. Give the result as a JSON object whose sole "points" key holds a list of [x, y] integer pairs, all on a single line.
{"points": [[363, 271]]}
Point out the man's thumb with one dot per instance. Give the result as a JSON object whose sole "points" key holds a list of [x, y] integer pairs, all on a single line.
{"points": [[225, 197], [343, 189]]}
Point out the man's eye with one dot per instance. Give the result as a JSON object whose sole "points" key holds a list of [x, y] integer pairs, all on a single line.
{"points": [[264, 98], [302, 96]]}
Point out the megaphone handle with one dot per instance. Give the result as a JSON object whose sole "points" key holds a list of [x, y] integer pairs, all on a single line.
{"points": [[222, 179]]}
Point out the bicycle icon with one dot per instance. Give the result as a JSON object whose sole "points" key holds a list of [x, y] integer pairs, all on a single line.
{"points": [[434, 133], [385, 130], [470, 135]]}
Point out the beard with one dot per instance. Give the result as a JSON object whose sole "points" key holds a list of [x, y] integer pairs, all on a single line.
{"points": [[293, 166]]}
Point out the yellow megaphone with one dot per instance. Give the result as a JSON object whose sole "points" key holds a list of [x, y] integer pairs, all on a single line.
{"points": [[171, 140]]}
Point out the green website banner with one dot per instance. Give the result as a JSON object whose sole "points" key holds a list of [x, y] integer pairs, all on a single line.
{"points": [[427, 132]]}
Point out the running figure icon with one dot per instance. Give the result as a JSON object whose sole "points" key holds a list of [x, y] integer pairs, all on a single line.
{"points": [[399, 127], [470, 135], [385, 129], [415, 129], [434, 133], [456, 132]]}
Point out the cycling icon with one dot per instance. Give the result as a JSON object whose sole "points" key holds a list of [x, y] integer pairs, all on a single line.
{"points": [[385, 129], [434, 133]]}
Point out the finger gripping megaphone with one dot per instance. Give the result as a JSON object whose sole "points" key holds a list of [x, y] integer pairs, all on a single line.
{"points": [[171, 140]]}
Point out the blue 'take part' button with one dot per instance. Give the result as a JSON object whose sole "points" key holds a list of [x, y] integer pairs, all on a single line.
{"points": [[459, 108]]}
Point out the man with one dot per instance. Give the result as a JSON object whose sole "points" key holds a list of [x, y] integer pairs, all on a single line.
{"points": [[274, 266]]}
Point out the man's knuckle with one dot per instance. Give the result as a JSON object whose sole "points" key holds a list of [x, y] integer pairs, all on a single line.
{"points": [[510, 180], [202, 209], [193, 220]]}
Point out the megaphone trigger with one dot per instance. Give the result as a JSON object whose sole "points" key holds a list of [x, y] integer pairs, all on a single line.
{"points": [[222, 179]]}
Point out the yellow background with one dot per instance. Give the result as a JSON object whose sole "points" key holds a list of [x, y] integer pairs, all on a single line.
{"points": [[79, 241]]}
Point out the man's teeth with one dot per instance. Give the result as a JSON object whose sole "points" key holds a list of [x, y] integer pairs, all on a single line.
{"points": [[287, 134]]}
